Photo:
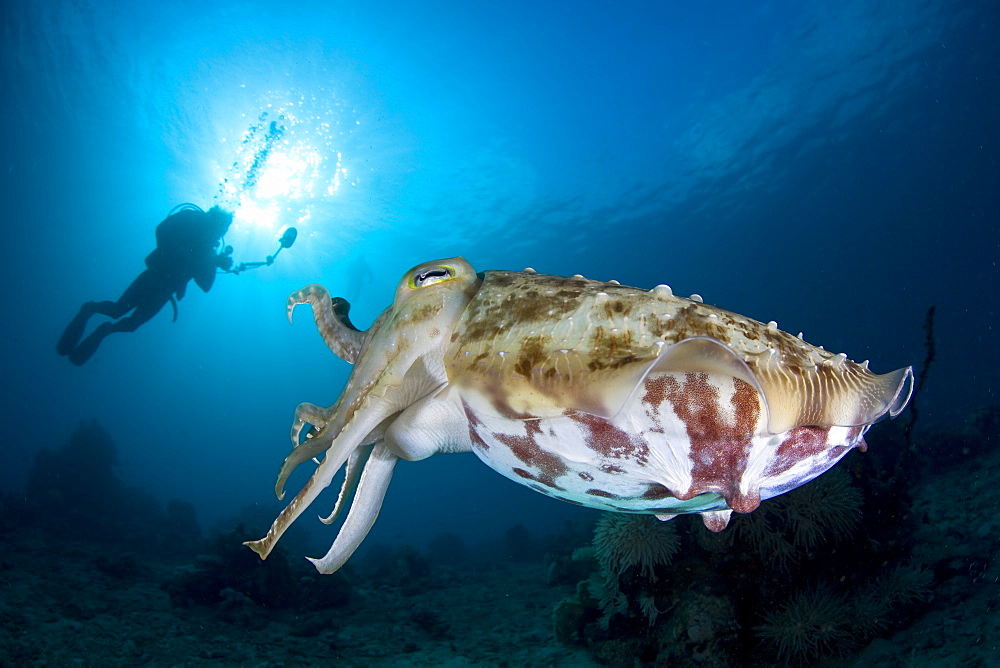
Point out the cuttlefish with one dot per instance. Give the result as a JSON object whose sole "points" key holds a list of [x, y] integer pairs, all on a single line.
{"points": [[596, 393]]}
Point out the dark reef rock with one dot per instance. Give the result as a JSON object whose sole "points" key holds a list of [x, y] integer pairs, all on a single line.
{"points": [[73, 492], [230, 577]]}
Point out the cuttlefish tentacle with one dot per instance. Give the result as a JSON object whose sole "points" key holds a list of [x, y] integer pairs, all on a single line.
{"points": [[336, 328], [349, 438], [355, 467], [364, 510]]}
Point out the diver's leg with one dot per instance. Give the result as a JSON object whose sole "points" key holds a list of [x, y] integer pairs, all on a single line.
{"points": [[145, 286], [113, 310], [133, 293], [142, 314], [89, 346]]}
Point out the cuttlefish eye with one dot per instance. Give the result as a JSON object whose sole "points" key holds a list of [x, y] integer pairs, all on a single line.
{"points": [[422, 279]]}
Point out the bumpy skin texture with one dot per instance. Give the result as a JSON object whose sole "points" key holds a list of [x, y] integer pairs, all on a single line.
{"points": [[596, 393]]}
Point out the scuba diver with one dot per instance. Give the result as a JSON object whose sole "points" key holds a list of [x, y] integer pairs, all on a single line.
{"points": [[186, 248]]}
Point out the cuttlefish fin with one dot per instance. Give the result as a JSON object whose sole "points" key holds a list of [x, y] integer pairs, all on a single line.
{"points": [[834, 393], [332, 321], [371, 488], [837, 392]]}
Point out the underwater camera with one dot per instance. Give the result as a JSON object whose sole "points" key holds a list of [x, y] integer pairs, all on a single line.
{"points": [[286, 241]]}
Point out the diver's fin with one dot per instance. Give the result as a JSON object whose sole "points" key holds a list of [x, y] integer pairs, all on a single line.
{"points": [[74, 330]]}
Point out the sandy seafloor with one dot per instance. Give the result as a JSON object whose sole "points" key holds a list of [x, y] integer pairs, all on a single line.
{"points": [[58, 609]]}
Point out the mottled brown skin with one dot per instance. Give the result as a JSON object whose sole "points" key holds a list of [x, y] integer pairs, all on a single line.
{"points": [[561, 338]]}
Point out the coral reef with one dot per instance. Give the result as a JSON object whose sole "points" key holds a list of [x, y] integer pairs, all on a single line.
{"points": [[226, 569], [519, 544], [399, 566], [74, 488], [73, 492], [887, 600], [820, 622], [228, 577], [617, 606], [702, 629]]}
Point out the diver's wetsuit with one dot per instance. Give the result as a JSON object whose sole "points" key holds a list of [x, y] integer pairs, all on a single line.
{"points": [[185, 249]]}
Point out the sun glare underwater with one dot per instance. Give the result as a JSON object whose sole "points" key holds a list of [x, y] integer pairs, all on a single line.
{"points": [[284, 164]]}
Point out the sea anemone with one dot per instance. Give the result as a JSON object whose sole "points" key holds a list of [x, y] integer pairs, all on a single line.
{"points": [[622, 541], [824, 511], [610, 598], [813, 624], [764, 530], [880, 604]]}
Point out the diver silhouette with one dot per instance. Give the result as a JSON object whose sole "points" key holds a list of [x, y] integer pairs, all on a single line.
{"points": [[186, 244]]}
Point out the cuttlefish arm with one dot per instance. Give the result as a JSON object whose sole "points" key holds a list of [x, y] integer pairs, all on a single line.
{"points": [[317, 440], [345, 340], [397, 365], [374, 481], [332, 321], [355, 432], [369, 472], [352, 478]]}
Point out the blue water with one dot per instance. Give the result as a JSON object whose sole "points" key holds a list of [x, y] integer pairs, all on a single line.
{"points": [[831, 166]]}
